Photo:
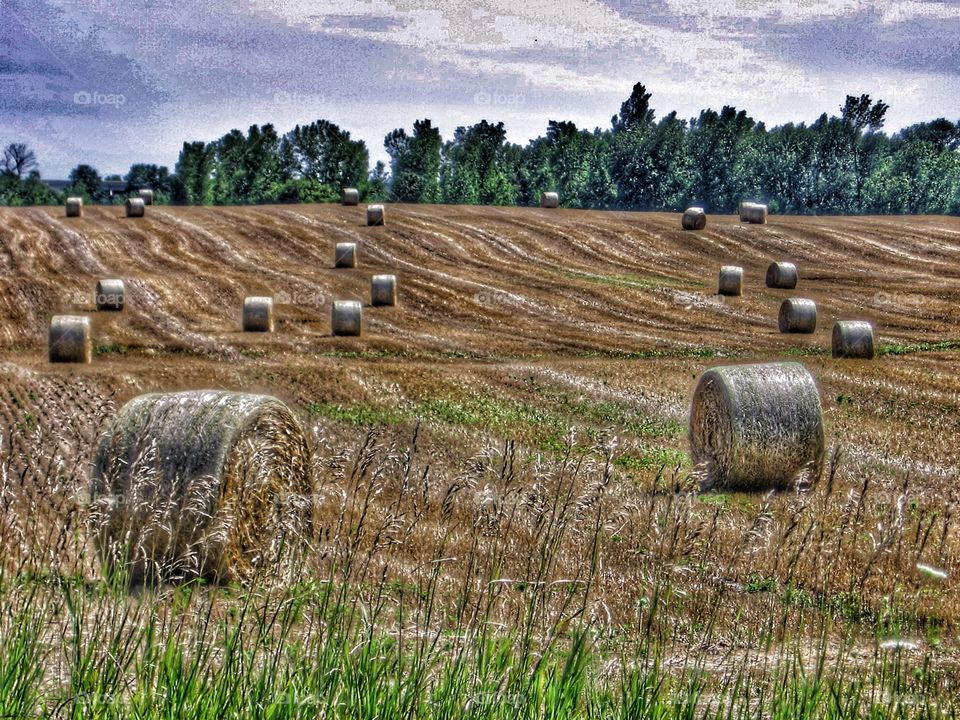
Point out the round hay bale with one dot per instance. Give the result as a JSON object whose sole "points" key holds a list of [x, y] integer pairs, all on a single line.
{"points": [[753, 213], [549, 200], [853, 339], [694, 219], [731, 280], [349, 196], [69, 339], [258, 314], [383, 290], [797, 315], [346, 317], [199, 484], [757, 426], [345, 255], [782, 275], [74, 207], [741, 212], [375, 215], [135, 207], [109, 296], [146, 195]]}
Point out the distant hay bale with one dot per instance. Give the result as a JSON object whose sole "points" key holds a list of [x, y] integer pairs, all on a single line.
{"points": [[375, 215], [110, 295], [199, 484], [346, 317], [694, 218], [146, 195], [69, 339], [797, 315], [349, 196], [757, 426], [258, 314], [782, 275], [853, 339], [549, 200], [135, 207], [754, 213], [345, 255], [74, 207], [731, 280], [383, 290]]}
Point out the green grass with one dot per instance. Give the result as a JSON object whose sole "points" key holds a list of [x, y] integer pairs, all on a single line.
{"points": [[110, 349], [907, 349], [652, 459], [637, 282]]}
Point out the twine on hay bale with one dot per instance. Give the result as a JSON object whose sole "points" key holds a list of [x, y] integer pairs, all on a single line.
{"points": [[258, 314], [345, 255], [755, 427], [375, 215], [754, 213], [110, 295], [549, 200], [349, 196], [135, 207], [694, 218], [782, 275], [69, 339], [383, 290], [74, 207], [346, 317], [853, 339], [146, 195], [797, 315], [199, 484], [730, 281]]}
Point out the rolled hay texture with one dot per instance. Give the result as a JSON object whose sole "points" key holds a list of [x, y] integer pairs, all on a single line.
{"points": [[730, 281], [135, 207], [754, 213], [346, 317], [74, 207], [694, 219], [69, 339], [755, 427], [797, 315], [383, 290], [375, 215], [258, 314], [549, 200], [853, 339], [110, 295], [199, 484], [345, 255], [146, 195], [349, 196], [782, 275]]}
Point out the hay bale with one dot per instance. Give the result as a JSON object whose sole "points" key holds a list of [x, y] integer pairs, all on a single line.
{"points": [[346, 317], [135, 207], [146, 195], [383, 290], [740, 211], [797, 315], [74, 207], [349, 196], [69, 339], [199, 484], [549, 200], [345, 255], [109, 297], [853, 339], [782, 275], [694, 219], [258, 314], [731, 280], [757, 426], [375, 215], [754, 213]]}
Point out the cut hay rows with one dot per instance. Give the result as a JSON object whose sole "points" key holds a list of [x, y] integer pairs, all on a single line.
{"points": [[549, 200], [753, 213], [69, 339], [134, 207], [694, 219], [146, 195], [202, 483], [797, 315], [383, 290], [375, 215], [757, 426], [782, 275], [74, 207], [258, 314], [345, 255], [853, 339], [346, 317], [109, 295], [730, 281], [349, 196]]}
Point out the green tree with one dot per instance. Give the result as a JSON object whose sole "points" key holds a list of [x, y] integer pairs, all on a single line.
{"points": [[155, 177], [86, 182], [193, 183], [720, 157], [19, 160], [324, 153], [475, 168], [415, 163]]}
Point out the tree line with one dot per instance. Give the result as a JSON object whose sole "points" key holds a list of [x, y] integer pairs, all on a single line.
{"points": [[839, 164]]}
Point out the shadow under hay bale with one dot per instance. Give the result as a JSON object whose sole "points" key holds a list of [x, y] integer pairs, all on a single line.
{"points": [[69, 339], [853, 339], [346, 317], [200, 484], [694, 219], [110, 295], [549, 200], [383, 290], [345, 255], [756, 427], [349, 196], [782, 276], [74, 207], [258, 314], [135, 207], [375, 215], [797, 315], [730, 281]]}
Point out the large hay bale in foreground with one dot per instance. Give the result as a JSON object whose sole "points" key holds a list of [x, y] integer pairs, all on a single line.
{"points": [[146, 195], [349, 196], [110, 295], [754, 213], [757, 426], [797, 315], [375, 215], [69, 339], [549, 200], [853, 339], [135, 207], [258, 314], [74, 207], [694, 218], [346, 317], [383, 290], [782, 275], [199, 484], [730, 281], [345, 255]]}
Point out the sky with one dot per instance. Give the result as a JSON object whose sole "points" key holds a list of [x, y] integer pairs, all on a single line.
{"points": [[113, 83]]}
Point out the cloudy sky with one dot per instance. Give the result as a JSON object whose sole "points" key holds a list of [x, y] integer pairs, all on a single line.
{"points": [[111, 83]]}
